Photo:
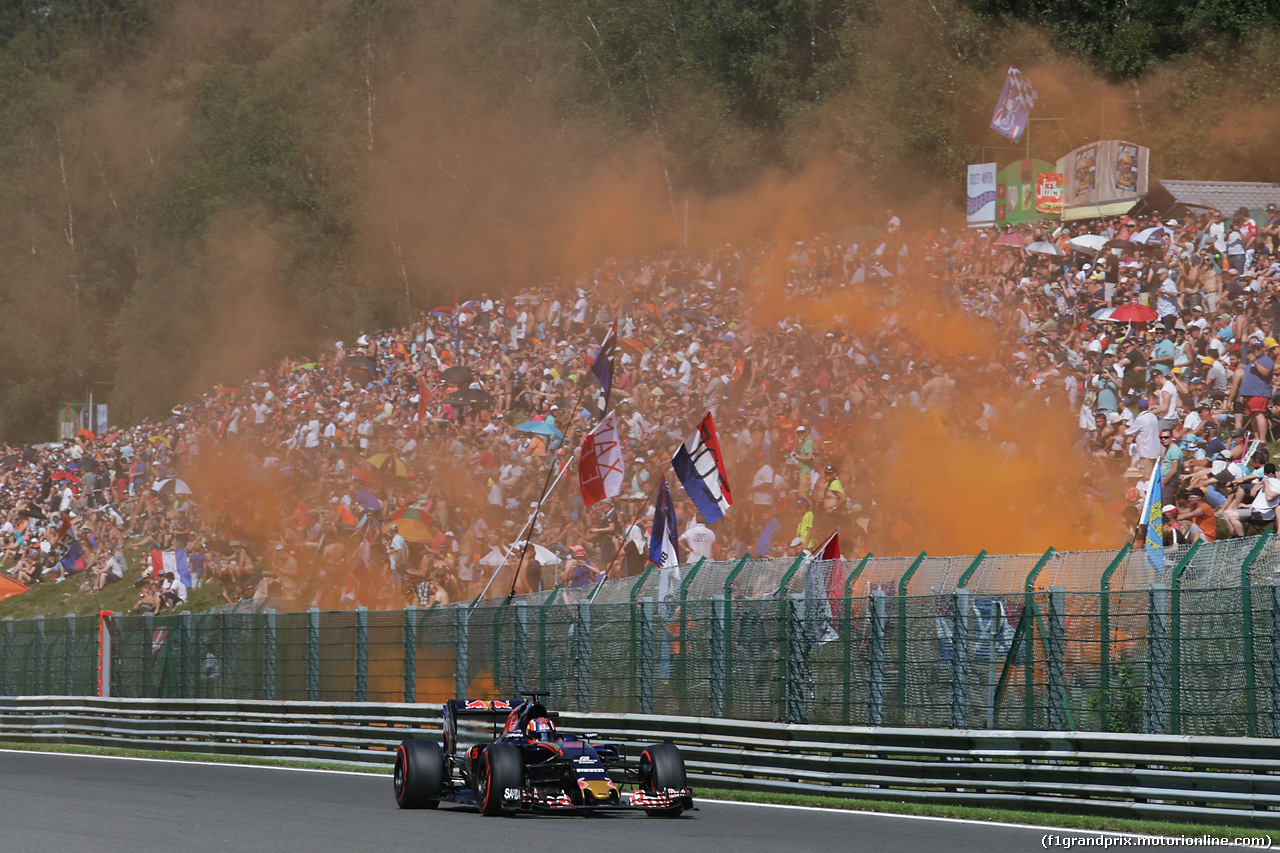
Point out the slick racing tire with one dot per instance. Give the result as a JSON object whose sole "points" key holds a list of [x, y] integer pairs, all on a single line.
{"points": [[501, 768], [662, 769], [419, 774]]}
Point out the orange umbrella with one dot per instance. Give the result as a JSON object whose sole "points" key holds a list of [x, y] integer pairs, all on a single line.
{"points": [[414, 531]]}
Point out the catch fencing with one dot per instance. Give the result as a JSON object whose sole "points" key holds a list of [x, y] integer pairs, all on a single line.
{"points": [[1181, 642]]}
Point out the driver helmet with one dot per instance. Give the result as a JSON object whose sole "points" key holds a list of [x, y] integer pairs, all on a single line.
{"points": [[539, 728]]}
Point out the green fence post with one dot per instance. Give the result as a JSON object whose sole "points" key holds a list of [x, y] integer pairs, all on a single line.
{"points": [[186, 669], [646, 615], [959, 656], [496, 647], [902, 637], [715, 682], [1028, 641], [461, 660], [148, 655], [69, 641], [313, 655], [727, 636], [847, 638], [973, 567], [784, 635], [1246, 613], [542, 638], [682, 665], [38, 657], [1275, 657], [362, 654], [269, 654], [1175, 641], [582, 658], [634, 627], [519, 648], [410, 654], [7, 659], [1104, 632]]}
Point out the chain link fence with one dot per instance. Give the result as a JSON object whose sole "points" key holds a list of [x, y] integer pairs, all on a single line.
{"points": [[1184, 641]]}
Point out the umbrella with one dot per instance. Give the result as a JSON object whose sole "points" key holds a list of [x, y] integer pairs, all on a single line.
{"points": [[540, 428], [1089, 244], [86, 434], [364, 474], [860, 274], [1132, 314], [389, 465], [11, 459], [310, 365], [631, 345], [358, 364], [159, 439], [1121, 244], [691, 314], [411, 513], [469, 396], [368, 500], [65, 475], [414, 531], [1009, 240], [1043, 248], [545, 556], [1103, 314], [1153, 236], [457, 376], [173, 486]]}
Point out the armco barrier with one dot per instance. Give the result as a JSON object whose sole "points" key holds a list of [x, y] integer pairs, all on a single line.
{"points": [[1230, 781]]}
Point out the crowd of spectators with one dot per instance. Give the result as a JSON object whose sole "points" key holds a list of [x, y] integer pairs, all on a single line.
{"points": [[400, 467]]}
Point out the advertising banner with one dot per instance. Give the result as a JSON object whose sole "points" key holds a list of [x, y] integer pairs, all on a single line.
{"points": [[1101, 172], [980, 206], [1049, 193], [1017, 188]]}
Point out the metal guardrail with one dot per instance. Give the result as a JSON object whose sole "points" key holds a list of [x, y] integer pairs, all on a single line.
{"points": [[1233, 781]]}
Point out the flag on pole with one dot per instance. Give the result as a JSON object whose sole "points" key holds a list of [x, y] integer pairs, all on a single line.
{"points": [[1153, 517], [664, 551], [600, 472], [171, 561], [824, 582], [699, 466], [602, 367], [423, 396], [1013, 110]]}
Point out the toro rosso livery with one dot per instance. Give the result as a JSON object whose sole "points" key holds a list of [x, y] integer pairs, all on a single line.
{"points": [[531, 766]]}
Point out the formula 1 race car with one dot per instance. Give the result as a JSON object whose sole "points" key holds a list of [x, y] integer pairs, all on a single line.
{"points": [[531, 766]]}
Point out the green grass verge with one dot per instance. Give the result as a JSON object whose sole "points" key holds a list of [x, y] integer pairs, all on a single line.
{"points": [[1035, 818]]}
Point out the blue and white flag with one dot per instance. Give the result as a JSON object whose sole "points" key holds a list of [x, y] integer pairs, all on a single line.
{"points": [[1153, 517], [602, 367], [1013, 110], [664, 550], [699, 466]]}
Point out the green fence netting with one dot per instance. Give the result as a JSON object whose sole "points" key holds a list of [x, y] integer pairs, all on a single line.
{"points": [[1184, 641]]}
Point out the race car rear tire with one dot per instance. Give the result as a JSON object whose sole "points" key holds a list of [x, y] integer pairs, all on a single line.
{"points": [[501, 767], [662, 769], [419, 774]]}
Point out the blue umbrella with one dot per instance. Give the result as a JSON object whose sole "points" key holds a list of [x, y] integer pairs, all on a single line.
{"points": [[368, 500], [541, 428]]}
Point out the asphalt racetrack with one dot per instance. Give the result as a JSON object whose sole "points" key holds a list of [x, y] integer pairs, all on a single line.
{"points": [[60, 803]]}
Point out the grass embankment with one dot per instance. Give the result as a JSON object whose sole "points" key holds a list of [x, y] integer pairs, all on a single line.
{"points": [[75, 596], [1034, 818]]}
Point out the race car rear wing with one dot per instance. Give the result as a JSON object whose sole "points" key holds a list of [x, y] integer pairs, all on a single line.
{"points": [[495, 709]]}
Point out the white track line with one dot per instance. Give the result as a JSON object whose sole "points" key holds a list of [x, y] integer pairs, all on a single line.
{"points": [[383, 776]]}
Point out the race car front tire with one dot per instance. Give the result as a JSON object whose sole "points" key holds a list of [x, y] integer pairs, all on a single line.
{"points": [[419, 774], [662, 769], [501, 769]]}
